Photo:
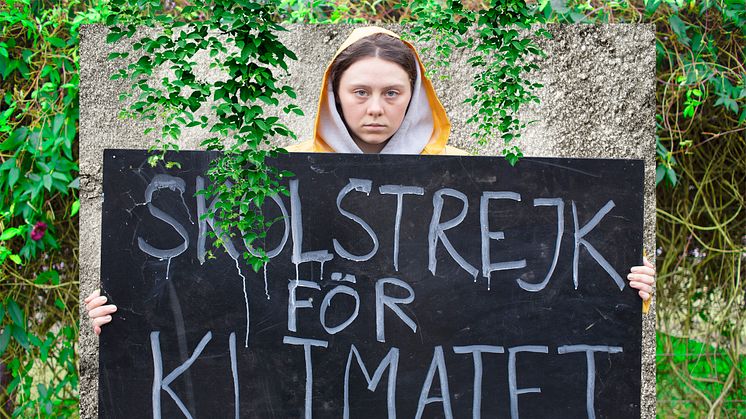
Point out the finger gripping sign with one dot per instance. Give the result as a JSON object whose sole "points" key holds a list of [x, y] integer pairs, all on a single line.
{"points": [[397, 286]]}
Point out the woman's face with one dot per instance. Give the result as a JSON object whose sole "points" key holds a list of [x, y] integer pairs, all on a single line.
{"points": [[374, 95]]}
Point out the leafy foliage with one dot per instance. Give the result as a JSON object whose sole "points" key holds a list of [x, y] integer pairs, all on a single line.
{"points": [[51, 356], [38, 126], [250, 54], [701, 231], [493, 32], [39, 204]]}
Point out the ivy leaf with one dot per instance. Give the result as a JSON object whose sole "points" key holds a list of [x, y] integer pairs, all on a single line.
{"points": [[13, 176], [47, 180], [679, 28], [114, 37], [671, 175], [75, 207], [9, 68], [50, 276], [268, 100], [728, 102], [34, 340], [660, 173], [256, 264], [26, 54], [21, 337], [577, 17], [5, 338], [15, 139], [57, 123], [560, 7], [652, 6], [15, 313], [9, 233], [56, 42]]}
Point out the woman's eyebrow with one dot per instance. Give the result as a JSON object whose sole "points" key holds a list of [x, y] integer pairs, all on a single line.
{"points": [[367, 86]]}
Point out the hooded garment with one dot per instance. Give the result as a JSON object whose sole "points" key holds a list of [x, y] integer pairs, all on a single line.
{"points": [[424, 130]]}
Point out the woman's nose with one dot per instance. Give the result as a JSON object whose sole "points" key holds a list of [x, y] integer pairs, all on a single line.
{"points": [[374, 106]]}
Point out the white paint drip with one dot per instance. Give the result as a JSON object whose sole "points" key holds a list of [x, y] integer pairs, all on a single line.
{"points": [[181, 193], [266, 288], [246, 299]]}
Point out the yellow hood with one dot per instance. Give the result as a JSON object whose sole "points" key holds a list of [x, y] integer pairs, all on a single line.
{"points": [[425, 128]]}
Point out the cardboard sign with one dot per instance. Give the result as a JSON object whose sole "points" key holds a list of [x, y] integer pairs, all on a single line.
{"points": [[398, 286]]}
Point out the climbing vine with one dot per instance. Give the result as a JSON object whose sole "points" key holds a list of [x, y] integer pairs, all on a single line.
{"points": [[501, 33], [241, 38]]}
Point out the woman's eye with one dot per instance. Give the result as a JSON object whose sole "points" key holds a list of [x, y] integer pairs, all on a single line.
{"points": [[360, 93], [392, 93]]}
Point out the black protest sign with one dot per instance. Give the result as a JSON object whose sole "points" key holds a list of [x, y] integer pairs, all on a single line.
{"points": [[398, 286]]}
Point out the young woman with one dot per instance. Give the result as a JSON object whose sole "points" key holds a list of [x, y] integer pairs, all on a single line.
{"points": [[375, 98]]}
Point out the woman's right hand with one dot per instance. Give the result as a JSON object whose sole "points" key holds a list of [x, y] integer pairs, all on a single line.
{"points": [[99, 313]]}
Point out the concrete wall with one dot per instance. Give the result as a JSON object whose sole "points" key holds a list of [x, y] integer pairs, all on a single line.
{"points": [[598, 100]]}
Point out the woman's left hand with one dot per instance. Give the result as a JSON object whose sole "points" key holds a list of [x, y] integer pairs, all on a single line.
{"points": [[642, 278]]}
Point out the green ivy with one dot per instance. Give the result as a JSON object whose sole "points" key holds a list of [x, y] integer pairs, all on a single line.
{"points": [[38, 124], [51, 355], [39, 203], [500, 36], [251, 55]]}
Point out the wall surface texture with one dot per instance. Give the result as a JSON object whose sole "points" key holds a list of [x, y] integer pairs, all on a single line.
{"points": [[598, 101]]}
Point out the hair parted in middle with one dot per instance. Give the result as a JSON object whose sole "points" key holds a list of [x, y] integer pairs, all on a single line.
{"points": [[378, 45]]}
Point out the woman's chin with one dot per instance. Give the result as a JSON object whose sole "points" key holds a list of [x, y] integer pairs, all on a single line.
{"points": [[373, 139], [372, 145]]}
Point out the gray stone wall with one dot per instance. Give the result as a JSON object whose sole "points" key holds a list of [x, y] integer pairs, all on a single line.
{"points": [[598, 101]]}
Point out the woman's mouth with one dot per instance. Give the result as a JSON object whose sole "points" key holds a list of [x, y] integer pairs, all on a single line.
{"points": [[374, 127]]}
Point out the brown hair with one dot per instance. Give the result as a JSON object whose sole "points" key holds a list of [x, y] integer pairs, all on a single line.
{"points": [[378, 45]]}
